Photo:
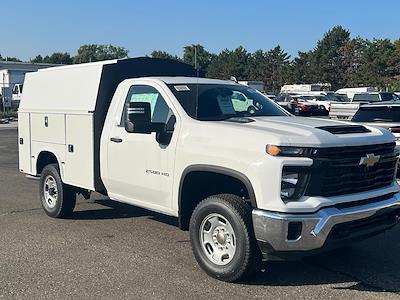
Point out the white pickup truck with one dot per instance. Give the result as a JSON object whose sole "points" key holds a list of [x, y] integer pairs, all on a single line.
{"points": [[247, 184]]}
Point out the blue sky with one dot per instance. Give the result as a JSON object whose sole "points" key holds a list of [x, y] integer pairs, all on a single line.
{"points": [[44, 26]]}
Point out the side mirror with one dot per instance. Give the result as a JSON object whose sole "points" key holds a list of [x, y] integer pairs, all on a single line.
{"points": [[138, 117], [165, 131]]}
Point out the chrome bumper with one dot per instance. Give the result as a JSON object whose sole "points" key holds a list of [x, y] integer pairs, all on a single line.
{"points": [[271, 228]]}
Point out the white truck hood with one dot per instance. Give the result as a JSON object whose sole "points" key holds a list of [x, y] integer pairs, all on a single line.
{"points": [[306, 132]]}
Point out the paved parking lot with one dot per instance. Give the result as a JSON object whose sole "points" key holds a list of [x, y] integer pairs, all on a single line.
{"points": [[111, 251]]}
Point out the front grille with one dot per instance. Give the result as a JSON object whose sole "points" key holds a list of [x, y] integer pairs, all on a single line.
{"points": [[337, 171]]}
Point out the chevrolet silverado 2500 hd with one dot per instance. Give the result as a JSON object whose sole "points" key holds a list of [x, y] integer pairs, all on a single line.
{"points": [[246, 183]]}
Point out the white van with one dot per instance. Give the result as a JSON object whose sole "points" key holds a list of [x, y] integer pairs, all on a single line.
{"points": [[350, 92]]}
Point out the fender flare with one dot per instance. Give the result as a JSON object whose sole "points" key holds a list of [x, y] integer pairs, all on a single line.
{"points": [[59, 162], [219, 170]]}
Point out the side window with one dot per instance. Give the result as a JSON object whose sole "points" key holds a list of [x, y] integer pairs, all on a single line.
{"points": [[387, 96], [160, 111]]}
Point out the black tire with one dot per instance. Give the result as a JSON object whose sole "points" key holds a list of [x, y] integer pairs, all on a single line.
{"points": [[303, 113], [251, 110], [63, 204], [237, 212]]}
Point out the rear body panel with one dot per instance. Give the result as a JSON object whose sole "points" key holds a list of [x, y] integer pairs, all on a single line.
{"points": [[24, 140]]}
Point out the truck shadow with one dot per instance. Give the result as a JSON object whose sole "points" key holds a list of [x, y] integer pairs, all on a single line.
{"points": [[108, 209], [371, 265]]}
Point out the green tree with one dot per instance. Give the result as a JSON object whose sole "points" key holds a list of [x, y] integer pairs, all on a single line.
{"points": [[275, 69], [352, 52], [256, 65], [9, 58], [94, 52], [164, 54], [300, 70], [380, 63], [230, 63], [59, 58], [37, 59], [203, 57], [327, 60]]}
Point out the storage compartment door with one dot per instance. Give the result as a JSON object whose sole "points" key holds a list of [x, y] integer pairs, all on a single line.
{"points": [[48, 128], [24, 141], [78, 167]]}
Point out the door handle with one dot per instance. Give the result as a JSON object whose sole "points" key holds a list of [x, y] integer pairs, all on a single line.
{"points": [[116, 140]]}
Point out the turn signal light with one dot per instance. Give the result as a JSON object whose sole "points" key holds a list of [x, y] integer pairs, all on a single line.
{"points": [[273, 150]]}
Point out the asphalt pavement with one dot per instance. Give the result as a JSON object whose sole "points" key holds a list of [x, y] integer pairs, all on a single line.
{"points": [[109, 250]]}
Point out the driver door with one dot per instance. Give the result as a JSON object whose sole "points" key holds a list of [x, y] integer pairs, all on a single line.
{"points": [[140, 169]]}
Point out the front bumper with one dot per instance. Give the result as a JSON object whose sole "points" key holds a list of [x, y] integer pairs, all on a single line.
{"points": [[273, 229]]}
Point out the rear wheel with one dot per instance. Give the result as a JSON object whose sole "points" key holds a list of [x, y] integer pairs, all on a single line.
{"points": [[222, 238], [58, 200]]}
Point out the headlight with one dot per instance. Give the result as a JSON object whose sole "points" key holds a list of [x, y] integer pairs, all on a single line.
{"points": [[288, 151], [288, 185], [294, 182]]}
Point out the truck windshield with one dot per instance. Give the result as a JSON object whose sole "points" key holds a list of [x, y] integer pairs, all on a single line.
{"points": [[212, 102]]}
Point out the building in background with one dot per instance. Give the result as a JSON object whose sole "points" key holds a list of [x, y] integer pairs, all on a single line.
{"points": [[12, 75]]}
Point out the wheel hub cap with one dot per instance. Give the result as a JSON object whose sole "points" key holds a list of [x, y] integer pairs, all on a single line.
{"points": [[218, 239], [220, 236], [50, 191]]}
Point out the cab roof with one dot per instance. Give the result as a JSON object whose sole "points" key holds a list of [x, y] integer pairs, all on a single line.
{"points": [[192, 80]]}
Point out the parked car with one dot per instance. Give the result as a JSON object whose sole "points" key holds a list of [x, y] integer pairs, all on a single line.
{"points": [[383, 114], [17, 92], [375, 97], [319, 99], [242, 103], [350, 92], [4, 121], [148, 132], [341, 106], [300, 107], [346, 110], [333, 97]]}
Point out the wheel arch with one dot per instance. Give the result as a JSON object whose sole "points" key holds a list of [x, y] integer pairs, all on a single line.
{"points": [[207, 170], [45, 158]]}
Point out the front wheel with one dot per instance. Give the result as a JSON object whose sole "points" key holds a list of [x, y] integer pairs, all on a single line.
{"points": [[251, 110], [58, 200], [222, 238]]}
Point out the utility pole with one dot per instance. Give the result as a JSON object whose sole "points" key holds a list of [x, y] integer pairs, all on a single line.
{"points": [[3, 93]]}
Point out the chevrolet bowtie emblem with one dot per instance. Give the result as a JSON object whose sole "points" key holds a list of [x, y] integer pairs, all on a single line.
{"points": [[369, 160]]}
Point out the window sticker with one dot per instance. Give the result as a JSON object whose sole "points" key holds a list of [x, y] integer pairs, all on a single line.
{"points": [[181, 88], [147, 97], [226, 106]]}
